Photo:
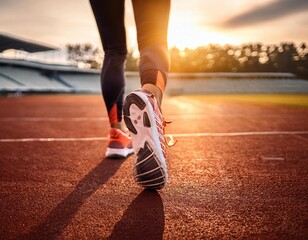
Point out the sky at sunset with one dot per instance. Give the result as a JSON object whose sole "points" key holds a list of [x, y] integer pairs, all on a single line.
{"points": [[192, 23]]}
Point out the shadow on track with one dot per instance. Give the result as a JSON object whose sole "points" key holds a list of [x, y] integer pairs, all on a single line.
{"points": [[143, 219], [62, 215]]}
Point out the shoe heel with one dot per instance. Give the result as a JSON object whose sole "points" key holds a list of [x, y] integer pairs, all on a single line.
{"points": [[132, 99]]}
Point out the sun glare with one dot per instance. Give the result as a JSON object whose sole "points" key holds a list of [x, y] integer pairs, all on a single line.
{"points": [[185, 33], [191, 36]]}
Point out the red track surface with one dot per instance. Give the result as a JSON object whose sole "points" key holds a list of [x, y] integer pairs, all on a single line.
{"points": [[221, 187]]}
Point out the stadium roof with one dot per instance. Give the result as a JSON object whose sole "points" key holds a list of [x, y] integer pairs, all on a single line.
{"points": [[10, 42]]}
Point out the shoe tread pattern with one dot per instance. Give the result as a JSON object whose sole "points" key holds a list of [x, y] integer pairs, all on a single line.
{"points": [[151, 179]]}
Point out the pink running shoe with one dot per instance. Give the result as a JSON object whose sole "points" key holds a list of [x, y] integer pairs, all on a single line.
{"points": [[119, 144], [144, 120]]}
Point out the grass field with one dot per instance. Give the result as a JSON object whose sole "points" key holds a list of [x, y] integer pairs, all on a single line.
{"points": [[298, 100]]}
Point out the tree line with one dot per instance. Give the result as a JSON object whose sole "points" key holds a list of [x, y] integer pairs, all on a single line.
{"points": [[252, 57]]}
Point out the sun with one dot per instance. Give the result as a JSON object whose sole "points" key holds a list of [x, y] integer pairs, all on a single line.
{"points": [[189, 35], [185, 32]]}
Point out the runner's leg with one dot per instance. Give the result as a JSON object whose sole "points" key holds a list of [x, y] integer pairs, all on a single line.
{"points": [[152, 18], [109, 17]]}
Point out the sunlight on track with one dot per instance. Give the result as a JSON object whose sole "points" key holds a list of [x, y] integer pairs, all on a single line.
{"points": [[298, 100]]}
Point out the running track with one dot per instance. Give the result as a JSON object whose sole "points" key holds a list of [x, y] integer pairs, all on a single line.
{"points": [[237, 171]]}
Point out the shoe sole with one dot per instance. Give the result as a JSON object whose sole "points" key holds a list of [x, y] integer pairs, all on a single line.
{"points": [[118, 153], [150, 169]]}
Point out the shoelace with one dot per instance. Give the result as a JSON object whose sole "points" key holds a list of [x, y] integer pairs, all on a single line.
{"points": [[169, 140]]}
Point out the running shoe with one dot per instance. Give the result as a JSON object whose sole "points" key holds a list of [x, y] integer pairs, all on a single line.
{"points": [[144, 120], [119, 144]]}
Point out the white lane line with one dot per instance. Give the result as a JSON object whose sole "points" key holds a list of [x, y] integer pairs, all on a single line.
{"points": [[52, 119], [233, 134], [176, 135], [272, 158], [54, 139]]}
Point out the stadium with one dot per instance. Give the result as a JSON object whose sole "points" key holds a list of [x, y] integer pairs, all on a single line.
{"points": [[238, 169]]}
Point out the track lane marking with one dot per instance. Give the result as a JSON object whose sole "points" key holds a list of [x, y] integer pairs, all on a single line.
{"points": [[52, 119], [272, 158], [69, 139], [176, 135], [234, 134]]}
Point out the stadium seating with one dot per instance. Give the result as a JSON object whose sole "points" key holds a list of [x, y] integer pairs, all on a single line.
{"points": [[27, 76]]}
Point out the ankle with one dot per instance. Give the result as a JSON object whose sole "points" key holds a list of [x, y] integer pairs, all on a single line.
{"points": [[155, 90], [118, 125]]}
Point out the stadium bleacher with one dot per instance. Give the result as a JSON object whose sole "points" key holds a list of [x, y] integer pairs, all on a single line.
{"points": [[82, 82], [25, 76], [7, 83], [31, 78]]}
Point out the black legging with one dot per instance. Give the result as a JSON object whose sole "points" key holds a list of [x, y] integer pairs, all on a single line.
{"points": [[151, 17]]}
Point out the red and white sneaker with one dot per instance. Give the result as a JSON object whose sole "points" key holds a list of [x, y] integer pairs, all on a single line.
{"points": [[119, 144], [144, 120]]}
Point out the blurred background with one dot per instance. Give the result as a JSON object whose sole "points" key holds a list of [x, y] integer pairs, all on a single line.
{"points": [[56, 45]]}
